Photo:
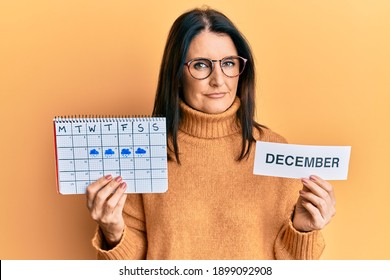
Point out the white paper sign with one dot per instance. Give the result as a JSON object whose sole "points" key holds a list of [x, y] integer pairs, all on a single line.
{"points": [[299, 161]]}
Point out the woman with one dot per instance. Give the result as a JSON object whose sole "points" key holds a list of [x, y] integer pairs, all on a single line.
{"points": [[215, 208]]}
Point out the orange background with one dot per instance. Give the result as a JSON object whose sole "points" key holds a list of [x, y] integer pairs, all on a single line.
{"points": [[323, 79]]}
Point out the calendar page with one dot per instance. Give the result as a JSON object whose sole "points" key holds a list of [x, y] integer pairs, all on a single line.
{"points": [[90, 148]]}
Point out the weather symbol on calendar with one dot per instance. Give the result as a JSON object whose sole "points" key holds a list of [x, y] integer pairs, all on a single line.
{"points": [[94, 153], [125, 152], [140, 151], [109, 153]]}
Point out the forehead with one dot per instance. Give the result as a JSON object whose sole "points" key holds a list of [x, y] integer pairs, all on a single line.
{"points": [[211, 45]]}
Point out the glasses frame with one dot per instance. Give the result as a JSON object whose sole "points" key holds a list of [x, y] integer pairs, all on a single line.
{"points": [[213, 61]]}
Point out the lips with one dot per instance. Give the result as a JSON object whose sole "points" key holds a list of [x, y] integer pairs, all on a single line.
{"points": [[216, 94]]}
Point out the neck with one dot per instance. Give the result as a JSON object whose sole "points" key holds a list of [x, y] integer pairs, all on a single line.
{"points": [[205, 125]]}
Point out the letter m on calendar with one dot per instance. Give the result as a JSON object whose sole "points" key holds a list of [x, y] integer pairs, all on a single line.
{"points": [[299, 161]]}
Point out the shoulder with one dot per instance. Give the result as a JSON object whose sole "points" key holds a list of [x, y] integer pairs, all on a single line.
{"points": [[267, 135]]}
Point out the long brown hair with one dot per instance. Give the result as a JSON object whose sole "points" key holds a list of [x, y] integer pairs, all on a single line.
{"points": [[169, 93]]}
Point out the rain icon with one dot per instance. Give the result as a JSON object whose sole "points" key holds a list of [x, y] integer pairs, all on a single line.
{"points": [[140, 151], [109, 152], [94, 152], [125, 152]]}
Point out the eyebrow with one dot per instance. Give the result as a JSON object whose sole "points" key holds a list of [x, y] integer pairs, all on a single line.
{"points": [[202, 57]]}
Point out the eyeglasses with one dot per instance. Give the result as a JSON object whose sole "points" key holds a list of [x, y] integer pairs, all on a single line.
{"points": [[201, 68]]}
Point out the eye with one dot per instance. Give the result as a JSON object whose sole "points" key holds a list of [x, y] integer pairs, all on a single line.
{"points": [[230, 63], [201, 65]]}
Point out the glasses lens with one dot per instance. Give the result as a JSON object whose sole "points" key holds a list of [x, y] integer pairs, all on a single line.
{"points": [[200, 68], [232, 66]]}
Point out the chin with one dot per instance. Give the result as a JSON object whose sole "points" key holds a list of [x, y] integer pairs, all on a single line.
{"points": [[212, 106]]}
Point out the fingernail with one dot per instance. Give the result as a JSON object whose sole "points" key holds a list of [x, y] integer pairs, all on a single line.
{"points": [[108, 177], [313, 177], [123, 185], [304, 180], [118, 179]]}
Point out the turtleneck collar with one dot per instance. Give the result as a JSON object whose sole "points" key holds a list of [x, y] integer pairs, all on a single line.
{"points": [[205, 125]]}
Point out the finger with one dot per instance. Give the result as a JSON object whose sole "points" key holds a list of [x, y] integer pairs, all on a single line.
{"points": [[317, 220], [98, 207], [324, 185], [119, 207], [104, 193], [93, 188], [115, 203], [121, 203], [313, 187], [318, 191], [317, 202]]}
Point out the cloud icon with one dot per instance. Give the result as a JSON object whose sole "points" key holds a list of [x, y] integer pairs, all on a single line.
{"points": [[140, 151], [125, 152], [94, 152], [109, 152]]}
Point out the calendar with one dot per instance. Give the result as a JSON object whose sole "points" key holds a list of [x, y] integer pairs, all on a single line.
{"points": [[87, 149]]}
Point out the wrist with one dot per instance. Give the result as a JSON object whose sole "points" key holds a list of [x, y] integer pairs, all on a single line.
{"points": [[112, 239]]}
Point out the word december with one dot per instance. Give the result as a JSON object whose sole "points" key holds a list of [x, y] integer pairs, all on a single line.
{"points": [[299, 161]]}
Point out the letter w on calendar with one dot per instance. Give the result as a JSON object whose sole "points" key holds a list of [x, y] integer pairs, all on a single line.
{"points": [[299, 161]]}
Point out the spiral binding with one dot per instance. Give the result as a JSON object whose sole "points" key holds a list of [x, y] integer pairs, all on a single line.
{"points": [[104, 118]]}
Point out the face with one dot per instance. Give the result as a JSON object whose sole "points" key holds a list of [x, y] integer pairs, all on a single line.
{"points": [[216, 93]]}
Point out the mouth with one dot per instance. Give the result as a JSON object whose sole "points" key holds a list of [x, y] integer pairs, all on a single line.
{"points": [[216, 94]]}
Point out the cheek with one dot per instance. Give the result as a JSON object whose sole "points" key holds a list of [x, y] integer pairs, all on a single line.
{"points": [[232, 85], [192, 87]]}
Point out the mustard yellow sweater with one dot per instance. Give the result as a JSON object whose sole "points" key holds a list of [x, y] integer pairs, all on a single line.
{"points": [[215, 208]]}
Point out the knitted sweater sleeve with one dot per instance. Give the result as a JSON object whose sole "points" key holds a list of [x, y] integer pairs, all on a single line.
{"points": [[293, 244], [133, 244]]}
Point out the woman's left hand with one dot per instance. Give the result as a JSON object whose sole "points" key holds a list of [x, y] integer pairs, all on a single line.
{"points": [[315, 206]]}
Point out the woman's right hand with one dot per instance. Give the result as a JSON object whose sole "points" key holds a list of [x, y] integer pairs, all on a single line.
{"points": [[105, 202]]}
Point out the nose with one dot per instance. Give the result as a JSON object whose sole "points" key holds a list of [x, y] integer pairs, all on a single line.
{"points": [[217, 76]]}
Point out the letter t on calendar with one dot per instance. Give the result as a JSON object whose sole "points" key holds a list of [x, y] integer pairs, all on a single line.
{"points": [[299, 161]]}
